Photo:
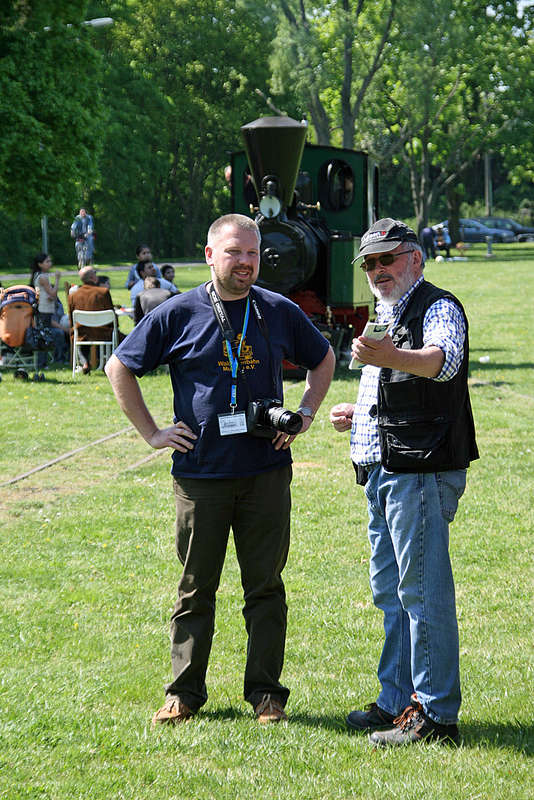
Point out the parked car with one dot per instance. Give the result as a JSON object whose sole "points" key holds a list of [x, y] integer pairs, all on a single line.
{"points": [[471, 230], [521, 232]]}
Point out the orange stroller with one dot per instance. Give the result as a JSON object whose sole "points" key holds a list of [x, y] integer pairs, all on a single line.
{"points": [[19, 338]]}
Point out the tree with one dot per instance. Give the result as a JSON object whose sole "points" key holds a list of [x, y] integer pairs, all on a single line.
{"points": [[50, 107], [329, 54], [179, 84], [453, 87]]}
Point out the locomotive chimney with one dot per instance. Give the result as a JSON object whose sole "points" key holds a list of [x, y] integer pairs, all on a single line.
{"points": [[274, 148]]}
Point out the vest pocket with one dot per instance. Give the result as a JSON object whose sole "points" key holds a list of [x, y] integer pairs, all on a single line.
{"points": [[414, 446]]}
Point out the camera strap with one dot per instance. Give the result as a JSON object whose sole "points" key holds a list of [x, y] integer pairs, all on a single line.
{"points": [[263, 328], [228, 336]]}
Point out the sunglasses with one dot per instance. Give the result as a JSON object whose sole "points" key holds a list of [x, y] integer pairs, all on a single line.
{"points": [[386, 259]]}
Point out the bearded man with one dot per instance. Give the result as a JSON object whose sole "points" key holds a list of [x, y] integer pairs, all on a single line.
{"points": [[224, 343], [412, 439]]}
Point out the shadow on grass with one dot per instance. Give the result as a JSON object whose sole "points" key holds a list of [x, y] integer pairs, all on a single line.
{"points": [[345, 375], [481, 734], [328, 722], [498, 736], [6, 373], [228, 713], [492, 365]]}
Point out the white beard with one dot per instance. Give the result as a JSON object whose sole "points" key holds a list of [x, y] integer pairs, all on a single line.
{"points": [[402, 284]]}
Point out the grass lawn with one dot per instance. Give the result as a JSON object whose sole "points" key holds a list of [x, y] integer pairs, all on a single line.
{"points": [[89, 575]]}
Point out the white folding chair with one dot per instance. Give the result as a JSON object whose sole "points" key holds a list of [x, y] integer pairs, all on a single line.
{"points": [[94, 319]]}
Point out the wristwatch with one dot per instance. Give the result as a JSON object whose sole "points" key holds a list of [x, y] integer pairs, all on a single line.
{"points": [[305, 411]]}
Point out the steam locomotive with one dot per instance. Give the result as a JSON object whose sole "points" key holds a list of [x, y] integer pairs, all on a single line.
{"points": [[312, 204]]}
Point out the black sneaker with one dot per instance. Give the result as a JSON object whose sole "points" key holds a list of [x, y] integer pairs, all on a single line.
{"points": [[413, 725], [372, 718]]}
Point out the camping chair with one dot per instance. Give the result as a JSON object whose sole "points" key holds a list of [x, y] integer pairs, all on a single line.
{"points": [[94, 319]]}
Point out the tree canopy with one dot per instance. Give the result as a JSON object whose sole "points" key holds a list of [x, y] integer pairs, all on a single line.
{"points": [[51, 107], [137, 121]]}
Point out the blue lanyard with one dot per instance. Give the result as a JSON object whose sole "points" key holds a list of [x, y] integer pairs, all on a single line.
{"points": [[234, 360]]}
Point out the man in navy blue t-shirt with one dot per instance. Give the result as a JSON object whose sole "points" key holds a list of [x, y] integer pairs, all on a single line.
{"points": [[224, 343]]}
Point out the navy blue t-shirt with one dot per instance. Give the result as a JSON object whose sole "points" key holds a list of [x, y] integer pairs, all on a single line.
{"points": [[183, 333]]}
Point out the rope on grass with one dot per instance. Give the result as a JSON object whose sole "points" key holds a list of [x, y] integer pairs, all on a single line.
{"points": [[65, 456], [144, 460]]}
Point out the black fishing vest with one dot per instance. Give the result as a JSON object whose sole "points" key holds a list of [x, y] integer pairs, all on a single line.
{"points": [[424, 425]]}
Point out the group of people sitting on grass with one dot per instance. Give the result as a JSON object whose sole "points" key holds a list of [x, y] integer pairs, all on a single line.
{"points": [[149, 286]]}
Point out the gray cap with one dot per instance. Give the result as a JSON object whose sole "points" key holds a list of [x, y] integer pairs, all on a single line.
{"points": [[385, 235]]}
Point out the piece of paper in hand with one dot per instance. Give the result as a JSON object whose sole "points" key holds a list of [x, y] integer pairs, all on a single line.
{"points": [[372, 330]]}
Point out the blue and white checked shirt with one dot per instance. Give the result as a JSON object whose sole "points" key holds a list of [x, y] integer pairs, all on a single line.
{"points": [[443, 326]]}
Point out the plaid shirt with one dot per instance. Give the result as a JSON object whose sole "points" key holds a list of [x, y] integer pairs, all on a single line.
{"points": [[444, 327]]}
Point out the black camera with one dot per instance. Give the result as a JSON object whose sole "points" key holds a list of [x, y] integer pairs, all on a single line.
{"points": [[266, 417]]}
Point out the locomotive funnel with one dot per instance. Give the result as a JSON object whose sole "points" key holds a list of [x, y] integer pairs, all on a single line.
{"points": [[274, 148]]}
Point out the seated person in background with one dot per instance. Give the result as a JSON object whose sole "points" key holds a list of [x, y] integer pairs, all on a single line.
{"points": [[146, 271], [60, 330], [167, 272], [142, 251], [151, 296], [90, 297], [444, 241], [103, 280]]}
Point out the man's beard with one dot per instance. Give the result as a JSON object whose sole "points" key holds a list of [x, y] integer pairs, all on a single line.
{"points": [[402, 284]]}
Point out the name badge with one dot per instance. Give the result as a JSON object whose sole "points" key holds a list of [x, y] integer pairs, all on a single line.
{"points": [[232, 423]]}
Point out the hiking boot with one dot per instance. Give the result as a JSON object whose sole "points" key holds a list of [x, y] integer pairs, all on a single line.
{"points": [[172, 712], [414, 725], [270, 710], [372, 718]]}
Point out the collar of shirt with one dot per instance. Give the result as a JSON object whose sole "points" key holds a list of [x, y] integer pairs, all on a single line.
{"points": [[385, 313]]}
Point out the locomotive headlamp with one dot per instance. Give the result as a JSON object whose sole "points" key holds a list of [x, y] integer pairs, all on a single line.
{"points": [[270, 205]]}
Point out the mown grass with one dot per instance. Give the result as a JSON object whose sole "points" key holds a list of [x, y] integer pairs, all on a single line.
{"points": [[88, 578]]}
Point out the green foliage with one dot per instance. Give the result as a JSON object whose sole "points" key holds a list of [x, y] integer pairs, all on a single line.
{"points": [[137, 121], [180, 81], [50, 109], [448, 92], [329, 54]]}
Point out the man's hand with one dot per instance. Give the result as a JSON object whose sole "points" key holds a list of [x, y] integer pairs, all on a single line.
{"points": [[283, 440], [178, 437], [341, 416], [426, 362], [378, 352]]}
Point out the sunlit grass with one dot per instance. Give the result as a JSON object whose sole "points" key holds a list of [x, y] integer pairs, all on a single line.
{"points": [[89, 573]]}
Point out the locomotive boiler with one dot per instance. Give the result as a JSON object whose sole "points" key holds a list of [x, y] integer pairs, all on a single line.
{"points": [[312, 204]]}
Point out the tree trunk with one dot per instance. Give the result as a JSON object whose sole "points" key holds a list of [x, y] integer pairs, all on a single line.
{"points": [[320, 120], [454, 199]]}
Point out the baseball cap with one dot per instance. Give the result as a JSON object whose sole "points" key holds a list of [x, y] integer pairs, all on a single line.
{"points": [[385, 235]]}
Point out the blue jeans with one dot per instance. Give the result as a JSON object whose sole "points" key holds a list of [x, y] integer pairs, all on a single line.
{"points": [[411, 581]]}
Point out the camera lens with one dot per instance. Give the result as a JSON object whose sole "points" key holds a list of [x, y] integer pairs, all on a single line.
{"points": [[284, 420]]}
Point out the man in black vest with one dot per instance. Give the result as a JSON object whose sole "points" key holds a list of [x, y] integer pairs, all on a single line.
{"points": [[412, 439]]}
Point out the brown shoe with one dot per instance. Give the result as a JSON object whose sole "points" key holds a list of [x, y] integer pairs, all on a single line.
{"points": [[270, 710], [414, 725], [172, 712]]}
